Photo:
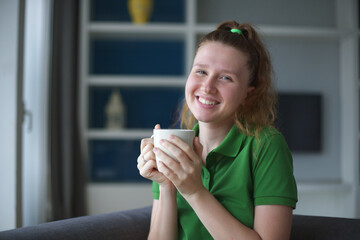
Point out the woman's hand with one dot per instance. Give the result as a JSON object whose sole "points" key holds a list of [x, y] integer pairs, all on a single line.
{"points": [[146, 162], [185, 170]]}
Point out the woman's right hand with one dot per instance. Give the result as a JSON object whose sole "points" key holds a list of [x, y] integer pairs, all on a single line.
{"points": [[146, 163]]}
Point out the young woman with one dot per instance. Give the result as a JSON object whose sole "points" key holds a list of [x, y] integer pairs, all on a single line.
{"points": [[237, 182]]}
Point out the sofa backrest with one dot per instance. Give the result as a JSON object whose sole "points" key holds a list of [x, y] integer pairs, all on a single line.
{"points": [[327, 228]]}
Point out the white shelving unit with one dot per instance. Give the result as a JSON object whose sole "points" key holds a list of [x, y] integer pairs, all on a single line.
{"points": [[344, 34]]}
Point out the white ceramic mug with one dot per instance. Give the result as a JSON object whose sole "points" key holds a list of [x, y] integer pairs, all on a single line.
{"points": [[185, 134]]}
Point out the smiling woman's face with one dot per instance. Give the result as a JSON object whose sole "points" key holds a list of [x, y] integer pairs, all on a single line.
{"points": [[217, 84]]}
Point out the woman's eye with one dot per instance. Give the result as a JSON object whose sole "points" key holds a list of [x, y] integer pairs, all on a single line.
{"points": [[200, 72], [225, 78]]}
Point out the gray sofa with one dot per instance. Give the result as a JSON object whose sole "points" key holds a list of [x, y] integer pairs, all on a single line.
{"points": [[134, 224]]}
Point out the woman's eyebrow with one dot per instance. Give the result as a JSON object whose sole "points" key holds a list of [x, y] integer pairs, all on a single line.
{"points": [[200, 65], [227, 71]]}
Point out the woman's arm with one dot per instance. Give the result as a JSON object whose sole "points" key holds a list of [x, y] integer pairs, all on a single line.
{"points": [[271, 221], [164, 215]]}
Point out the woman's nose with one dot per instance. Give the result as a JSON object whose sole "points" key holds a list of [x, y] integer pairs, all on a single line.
{"points": [[208, 85]]}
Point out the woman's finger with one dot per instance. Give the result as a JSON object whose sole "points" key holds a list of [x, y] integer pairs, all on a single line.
{"points": [[147, 148], [186, 148], [145, 142], [147, 169], [149, 155], [140, 162], [168, 172], [181, 156], [167, 160]]}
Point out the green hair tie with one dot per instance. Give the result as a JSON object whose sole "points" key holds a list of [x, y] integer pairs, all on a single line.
{"points": [[234, 30]]}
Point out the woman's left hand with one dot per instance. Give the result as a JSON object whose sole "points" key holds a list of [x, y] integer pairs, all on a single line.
{"points": [[185, 170]]}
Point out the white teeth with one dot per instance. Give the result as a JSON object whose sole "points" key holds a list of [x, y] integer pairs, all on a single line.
{"points": [[204, 101]]}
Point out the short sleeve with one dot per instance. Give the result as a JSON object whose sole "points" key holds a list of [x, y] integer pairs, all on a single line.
{"points": [[274, 182], [155, 190]]}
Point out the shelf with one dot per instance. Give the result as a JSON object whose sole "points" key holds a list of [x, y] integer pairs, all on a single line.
{"points": [[300, 32], [283, 31], [316, 187], [154, 81], [129, 28], [270, 31], [111, 134]]}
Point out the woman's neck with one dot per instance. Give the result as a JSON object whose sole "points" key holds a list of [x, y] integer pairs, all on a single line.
{"points": [[211, 136]]}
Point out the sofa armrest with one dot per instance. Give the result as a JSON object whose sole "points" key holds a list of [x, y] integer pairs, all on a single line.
{"points": [[131, 224]]}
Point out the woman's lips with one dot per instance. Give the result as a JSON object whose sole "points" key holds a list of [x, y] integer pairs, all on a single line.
{"points": [[207, 103]]}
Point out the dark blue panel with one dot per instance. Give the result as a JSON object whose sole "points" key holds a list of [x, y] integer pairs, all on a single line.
{"points": [[114, 161], [145, 107], [300, 120], [117, 10], [137, 57]]}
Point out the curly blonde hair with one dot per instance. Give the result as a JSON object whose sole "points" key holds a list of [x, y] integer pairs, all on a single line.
{"points": [[259, 108]]}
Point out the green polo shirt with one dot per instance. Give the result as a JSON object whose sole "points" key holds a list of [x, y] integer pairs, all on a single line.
{"points": [[242, 172]]}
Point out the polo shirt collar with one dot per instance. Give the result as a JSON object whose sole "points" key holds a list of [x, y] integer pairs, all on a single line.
{"points": [[231, 145]]}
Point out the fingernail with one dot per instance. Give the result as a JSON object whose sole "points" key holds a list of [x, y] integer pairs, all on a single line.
{"points": [[172, 136], [155, 149]]}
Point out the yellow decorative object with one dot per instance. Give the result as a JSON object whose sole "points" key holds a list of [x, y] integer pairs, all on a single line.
{"points": [[140, 10]]}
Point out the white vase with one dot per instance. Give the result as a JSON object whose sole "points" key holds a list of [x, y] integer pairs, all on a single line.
{"points": [[115, 112]]}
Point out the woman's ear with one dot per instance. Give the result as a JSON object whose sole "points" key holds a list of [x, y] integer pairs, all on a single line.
{"points": [[249, 90]]}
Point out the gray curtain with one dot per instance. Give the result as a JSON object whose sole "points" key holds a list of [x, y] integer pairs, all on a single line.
{"points": [[67, 168]]}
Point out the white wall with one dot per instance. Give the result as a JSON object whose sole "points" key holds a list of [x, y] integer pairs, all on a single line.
{"points": [[103, 198], [334, 200], [8, 102], [310, 65]]}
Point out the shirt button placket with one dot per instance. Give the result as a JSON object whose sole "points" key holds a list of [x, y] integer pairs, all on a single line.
{"points": [[206, 179]]}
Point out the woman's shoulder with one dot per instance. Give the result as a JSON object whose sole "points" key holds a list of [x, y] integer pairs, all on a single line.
{"points": [[270, 145], [269, 132], [259, 138], [269, 136]]}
